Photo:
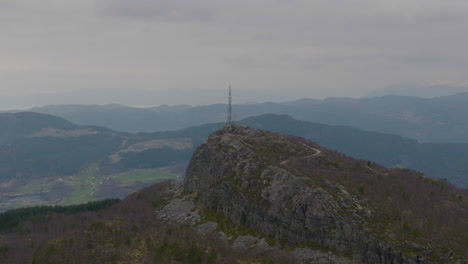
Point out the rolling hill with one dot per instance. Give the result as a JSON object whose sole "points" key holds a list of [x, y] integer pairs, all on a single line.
{"points": [[63, 163], [441, 119], [438, 160], [46, 159], [253, 196]]}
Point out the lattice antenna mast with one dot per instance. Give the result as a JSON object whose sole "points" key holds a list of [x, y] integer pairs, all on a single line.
{"points": [[229, 114]]}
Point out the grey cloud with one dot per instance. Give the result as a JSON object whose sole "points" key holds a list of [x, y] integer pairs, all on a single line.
{"points": [[173, 10], [7, 4], [294, 60], [431, 61], [325, 47]]}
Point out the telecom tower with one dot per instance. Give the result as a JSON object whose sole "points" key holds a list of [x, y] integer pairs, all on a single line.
{"points": [[229, 114]]}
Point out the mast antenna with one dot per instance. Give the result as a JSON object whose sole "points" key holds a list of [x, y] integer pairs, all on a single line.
{"points": [[229, 114]]}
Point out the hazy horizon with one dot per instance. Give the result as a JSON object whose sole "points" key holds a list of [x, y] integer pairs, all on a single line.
{"points": [[275, 50], [145, 99]]}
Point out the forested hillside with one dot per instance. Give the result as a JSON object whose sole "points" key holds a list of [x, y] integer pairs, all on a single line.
{"points": [[63, 163], [257, 197]]}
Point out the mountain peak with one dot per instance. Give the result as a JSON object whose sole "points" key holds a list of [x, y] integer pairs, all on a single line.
{"points": [[253, 196], [299, 193]]}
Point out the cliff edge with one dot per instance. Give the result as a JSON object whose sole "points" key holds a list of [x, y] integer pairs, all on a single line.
{"points": [[305, 196]]}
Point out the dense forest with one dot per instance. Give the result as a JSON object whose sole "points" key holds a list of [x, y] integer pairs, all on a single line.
{"points": [[13, 218]]}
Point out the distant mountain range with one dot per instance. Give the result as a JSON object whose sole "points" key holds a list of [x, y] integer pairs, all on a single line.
{"points": [[441, 119], [144, 98], [39, 147], [23, 124], [418, 90]]}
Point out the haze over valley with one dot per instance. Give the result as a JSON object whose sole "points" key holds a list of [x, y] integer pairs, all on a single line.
{"points": [[46, 159], [438, 119]]}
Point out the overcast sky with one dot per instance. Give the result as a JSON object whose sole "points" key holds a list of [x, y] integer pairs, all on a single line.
{"points": [[313, 48]]}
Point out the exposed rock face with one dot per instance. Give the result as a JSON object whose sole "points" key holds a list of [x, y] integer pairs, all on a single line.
{"points": [[249, 176]]}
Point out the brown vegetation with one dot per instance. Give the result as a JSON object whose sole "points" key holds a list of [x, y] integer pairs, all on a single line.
{"points": [[408, 205], [129, 232], [406, 209]]}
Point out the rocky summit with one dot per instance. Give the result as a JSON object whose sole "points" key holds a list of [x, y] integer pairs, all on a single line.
{"points": [[253, 196], [311, 199]]}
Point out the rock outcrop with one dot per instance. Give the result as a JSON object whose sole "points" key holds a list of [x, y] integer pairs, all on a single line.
{"points": [[253, 178]]}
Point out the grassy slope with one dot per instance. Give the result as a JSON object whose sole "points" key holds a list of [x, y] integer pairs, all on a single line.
{"points": [[85, 186]]}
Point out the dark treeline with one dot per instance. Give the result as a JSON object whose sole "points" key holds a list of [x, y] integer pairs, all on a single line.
{"points": [[14, 218]]}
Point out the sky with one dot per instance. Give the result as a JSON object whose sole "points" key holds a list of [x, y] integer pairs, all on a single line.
{"points": [[270, 48]]}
